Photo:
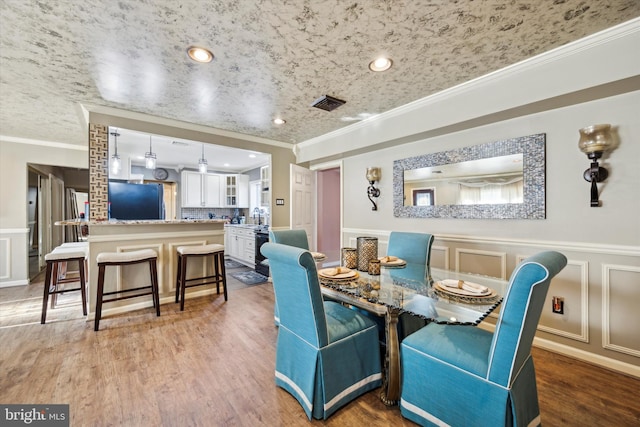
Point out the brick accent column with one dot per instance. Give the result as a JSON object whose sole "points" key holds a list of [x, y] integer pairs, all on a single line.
{"points": [[98, 171]]}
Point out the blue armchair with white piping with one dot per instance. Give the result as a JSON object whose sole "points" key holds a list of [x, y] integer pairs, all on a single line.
{"points": [[466, 376], [327, 354]]}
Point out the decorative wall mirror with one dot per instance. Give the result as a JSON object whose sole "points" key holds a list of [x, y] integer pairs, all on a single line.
{"points": [[497, 180]]}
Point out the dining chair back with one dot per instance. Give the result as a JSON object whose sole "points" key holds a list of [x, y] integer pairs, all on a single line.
{"points": [[414, 248], [326, 354], [464, 375], [296, 238]]}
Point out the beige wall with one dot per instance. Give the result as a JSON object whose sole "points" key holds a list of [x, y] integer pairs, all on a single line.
{"points": [[14, 230], [601, 284]]}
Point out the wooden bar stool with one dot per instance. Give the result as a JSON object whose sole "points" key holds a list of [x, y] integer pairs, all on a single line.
{"points": [[218, 275], [106, 259], [55, 260]]}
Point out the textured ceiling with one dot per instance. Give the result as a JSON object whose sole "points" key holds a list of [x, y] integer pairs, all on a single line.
{"points": [[272, 58]]}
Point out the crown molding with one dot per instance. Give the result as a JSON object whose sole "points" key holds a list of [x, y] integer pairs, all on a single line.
{"points": [[43, 143]]}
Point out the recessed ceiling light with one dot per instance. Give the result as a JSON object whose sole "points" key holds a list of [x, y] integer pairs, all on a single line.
{"points": [[200, 54], [279, 121], [380, 64], [252, 156]]}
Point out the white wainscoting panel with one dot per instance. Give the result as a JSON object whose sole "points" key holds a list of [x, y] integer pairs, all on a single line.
{"points": [[481, 262], [620, 308], [574, 323]]}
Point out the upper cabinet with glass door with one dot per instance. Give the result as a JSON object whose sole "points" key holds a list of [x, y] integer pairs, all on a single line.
{"points": [[265, 179]]}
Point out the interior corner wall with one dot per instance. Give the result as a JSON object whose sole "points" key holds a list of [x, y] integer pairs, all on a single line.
{"points": [[601, 283], [14, 229]]}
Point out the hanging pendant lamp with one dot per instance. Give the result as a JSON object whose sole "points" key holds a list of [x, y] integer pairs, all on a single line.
{"points": [[116, 164], [150, 157], [202, 163]]}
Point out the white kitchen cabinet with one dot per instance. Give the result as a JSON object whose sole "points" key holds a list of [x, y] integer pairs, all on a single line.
{"points": [[200, 190], [235, 190], [240, 243], [211, 190]]}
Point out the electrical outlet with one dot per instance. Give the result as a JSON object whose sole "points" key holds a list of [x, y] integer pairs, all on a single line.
{"points": [[557, 305]]}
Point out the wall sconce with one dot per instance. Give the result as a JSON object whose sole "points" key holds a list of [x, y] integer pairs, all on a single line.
{"points": [[595, 140], [373, 175]]}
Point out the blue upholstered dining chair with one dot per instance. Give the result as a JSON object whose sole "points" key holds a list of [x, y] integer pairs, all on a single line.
{"points": [[415, 249], [296, 238], [327, 354], [466, 376]]}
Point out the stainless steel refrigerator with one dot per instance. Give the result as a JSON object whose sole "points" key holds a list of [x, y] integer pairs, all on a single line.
{"points": [[135, 201]]}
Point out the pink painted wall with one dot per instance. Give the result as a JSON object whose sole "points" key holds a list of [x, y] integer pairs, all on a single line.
{"points": [[329, 213]]}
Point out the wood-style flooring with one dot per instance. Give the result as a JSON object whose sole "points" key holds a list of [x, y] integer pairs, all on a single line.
{"points": [[213, 365]]}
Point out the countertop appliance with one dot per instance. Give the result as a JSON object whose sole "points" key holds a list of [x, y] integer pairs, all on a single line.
{"points": [[135, 201]]}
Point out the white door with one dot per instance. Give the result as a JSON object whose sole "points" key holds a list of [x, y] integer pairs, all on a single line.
{"points": [[303, 201], [57, 210]]}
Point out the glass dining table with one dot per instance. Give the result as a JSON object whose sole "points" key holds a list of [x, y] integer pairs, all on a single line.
{"points": [[414, 290]]}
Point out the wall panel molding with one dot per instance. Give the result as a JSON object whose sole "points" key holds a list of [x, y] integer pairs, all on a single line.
{"points": [[583, 267], [607, 309], [5, 261], [501, 258]]}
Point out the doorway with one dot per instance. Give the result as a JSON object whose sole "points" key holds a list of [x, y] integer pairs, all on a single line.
{"points": [[328, 216], [46, 198]]}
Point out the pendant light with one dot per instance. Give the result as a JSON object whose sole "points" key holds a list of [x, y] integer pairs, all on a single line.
{"points": [[150, 157], [202, 163], [115, 159]]}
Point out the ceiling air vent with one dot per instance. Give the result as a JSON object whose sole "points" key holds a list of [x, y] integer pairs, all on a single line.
{"points": [[328, 103]]}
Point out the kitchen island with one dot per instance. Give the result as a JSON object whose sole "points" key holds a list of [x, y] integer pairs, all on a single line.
{"points": [[163, 236]]}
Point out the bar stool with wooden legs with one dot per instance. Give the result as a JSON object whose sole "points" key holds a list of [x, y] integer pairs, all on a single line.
{"points": [[55, 260], [218, 276], [106, 259]]}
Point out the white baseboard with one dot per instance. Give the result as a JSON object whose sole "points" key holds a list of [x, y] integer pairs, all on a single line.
{"points": [[585, 356], [22, 282]]}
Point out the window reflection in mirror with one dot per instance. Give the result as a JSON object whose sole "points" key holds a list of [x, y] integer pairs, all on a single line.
{"points": [[494, 180], [497, 180]]}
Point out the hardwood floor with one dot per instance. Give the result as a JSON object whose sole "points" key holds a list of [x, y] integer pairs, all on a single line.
{"points": [[212, 365]]}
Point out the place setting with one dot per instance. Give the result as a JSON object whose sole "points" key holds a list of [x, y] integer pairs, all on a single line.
{"points": [[391, 261], [318, 256], [465, 291], [337, 275]]}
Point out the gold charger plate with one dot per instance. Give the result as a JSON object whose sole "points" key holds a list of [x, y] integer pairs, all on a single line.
{"points": [[397, 263], [463, 293], [353, 274]]}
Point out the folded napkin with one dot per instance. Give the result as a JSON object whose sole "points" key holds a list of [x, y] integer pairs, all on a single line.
{"points": [[388, 258], [467, 286], [335, 271]]}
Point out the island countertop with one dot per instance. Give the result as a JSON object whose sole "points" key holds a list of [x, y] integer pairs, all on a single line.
{"points": [[164, 237], [79, 221]]}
